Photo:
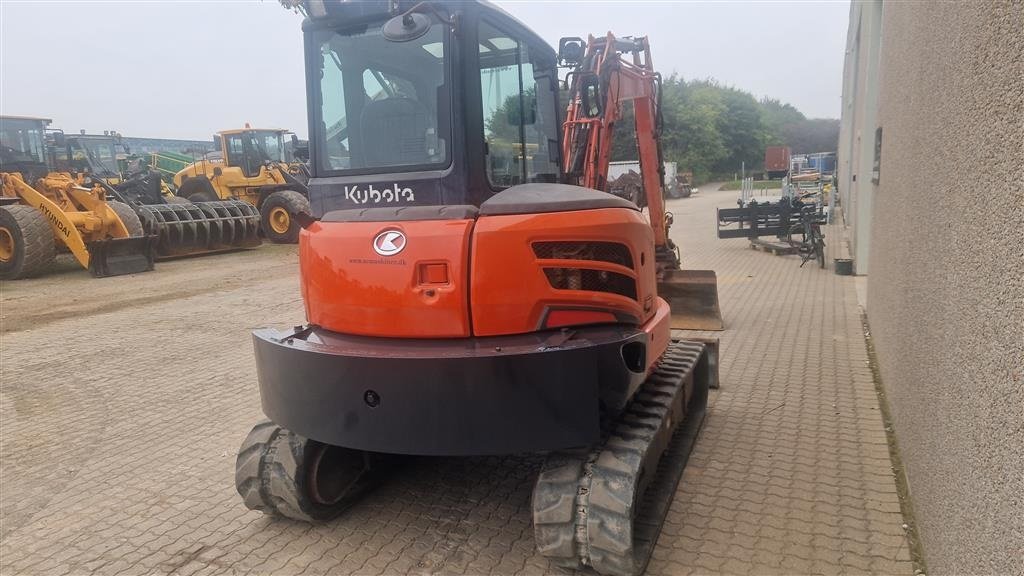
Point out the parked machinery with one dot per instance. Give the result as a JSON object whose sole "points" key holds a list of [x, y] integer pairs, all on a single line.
{"points": [[181, 227], [252, 167], [42, 211], [784, 218], [462, 298]]}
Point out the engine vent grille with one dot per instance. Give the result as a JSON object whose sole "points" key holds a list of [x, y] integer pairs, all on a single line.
{"points": [[591, 280], [611, 252]]}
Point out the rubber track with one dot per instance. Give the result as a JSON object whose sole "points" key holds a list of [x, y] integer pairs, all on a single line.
{"points": [[266, 469], [584, 502], [271, 476]]}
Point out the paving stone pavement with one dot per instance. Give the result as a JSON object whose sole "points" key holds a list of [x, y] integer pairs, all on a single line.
{"points": [[118, 433]]}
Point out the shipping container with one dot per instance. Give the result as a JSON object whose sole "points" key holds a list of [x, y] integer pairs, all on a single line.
{"points": [[776, 162]]}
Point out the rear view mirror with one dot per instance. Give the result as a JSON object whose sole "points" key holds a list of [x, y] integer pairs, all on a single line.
{"points": [[570, 50], [58, 139]]}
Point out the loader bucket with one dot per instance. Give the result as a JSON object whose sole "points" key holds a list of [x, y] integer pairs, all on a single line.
{"points": [[692, 296], [117, 256]]}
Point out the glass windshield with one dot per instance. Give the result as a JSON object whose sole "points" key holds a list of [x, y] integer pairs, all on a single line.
{"points": [[21, 141], [99, 155], [383, 104], [268, 145]]}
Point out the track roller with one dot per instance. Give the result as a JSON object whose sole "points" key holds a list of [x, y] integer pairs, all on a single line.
{"points": [[604, 507], [281, 473]]}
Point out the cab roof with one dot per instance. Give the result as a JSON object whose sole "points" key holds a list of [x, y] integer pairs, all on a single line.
{"points": [[368, 10], [241, 130], [37, 118]]}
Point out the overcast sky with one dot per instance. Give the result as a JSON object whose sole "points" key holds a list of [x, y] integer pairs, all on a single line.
{"points": [[188, 69]]}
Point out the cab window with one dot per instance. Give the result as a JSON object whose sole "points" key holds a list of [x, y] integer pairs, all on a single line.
{"points": [[383, 104], [520, 117], [241, 154]]}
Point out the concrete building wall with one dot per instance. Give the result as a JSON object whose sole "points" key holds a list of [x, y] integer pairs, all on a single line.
{"points": [[844, 170], [857, 128], [946, 283]]}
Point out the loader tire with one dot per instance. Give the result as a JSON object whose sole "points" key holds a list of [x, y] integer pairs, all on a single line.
{"points": [[281, 473], [128, 217], [278, 216], [27, 246], [198, 189], [203, 196]]}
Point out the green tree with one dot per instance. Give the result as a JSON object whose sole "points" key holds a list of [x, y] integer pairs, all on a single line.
{"points": [[714, 129]]}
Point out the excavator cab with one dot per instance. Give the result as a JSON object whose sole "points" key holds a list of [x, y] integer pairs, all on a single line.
{"points": [[465, 295], [461, 108]]}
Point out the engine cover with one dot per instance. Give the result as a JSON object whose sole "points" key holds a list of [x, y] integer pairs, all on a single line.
{"points": [[533, 258], [379, 272]]}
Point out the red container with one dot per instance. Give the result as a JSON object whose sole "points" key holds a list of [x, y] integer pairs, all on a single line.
{"points": [[776, 161]]}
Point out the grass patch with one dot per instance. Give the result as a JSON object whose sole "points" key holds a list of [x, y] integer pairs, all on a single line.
{"points": [[758, 185]]}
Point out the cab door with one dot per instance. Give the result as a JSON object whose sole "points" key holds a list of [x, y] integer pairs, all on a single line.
{"points": [[240, 153]]}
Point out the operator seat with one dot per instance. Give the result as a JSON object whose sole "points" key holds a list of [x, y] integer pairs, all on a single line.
{"points": [[394, 132]]}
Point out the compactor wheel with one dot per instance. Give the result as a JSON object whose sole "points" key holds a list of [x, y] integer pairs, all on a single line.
{"points": [[281, 473], [278, 216], [128, 217], [26, 242]]}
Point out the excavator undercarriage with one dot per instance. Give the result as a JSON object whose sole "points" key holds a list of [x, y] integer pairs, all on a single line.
{"points": [[604, 506]]}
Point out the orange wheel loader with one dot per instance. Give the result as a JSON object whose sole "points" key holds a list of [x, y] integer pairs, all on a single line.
{"points": [[470, 287]]}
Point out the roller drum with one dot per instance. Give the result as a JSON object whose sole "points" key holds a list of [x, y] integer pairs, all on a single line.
{"points": [[201, 227]]}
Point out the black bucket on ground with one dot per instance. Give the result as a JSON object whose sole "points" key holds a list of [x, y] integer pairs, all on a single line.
{"points": [[117, 256], [844, 266]]}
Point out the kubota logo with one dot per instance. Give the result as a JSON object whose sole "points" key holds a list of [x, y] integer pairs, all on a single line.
{"points": [[389, 243]]}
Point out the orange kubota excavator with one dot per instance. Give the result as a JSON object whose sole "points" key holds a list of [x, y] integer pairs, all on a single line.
{"points": [[472, 289]]}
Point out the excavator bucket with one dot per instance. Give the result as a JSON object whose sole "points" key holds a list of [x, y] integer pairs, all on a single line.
{"points": [[693, 297], [117, 256]]}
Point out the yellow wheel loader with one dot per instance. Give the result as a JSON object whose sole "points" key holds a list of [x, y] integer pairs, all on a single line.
{"points": [[251, 167], [182, 228], [42, 212]]}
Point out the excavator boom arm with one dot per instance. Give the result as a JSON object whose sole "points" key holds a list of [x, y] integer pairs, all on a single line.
{"points": [[608, 73], [602, 82]]}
